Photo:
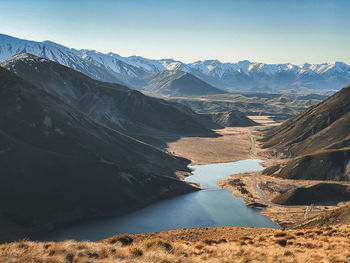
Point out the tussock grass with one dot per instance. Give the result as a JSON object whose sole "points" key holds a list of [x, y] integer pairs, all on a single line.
{"points": [[124, 240], [312, 245], [158, 244]]}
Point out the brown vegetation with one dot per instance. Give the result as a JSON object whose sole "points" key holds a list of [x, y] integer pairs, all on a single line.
{"points": [[321, 244], [340, 215]]}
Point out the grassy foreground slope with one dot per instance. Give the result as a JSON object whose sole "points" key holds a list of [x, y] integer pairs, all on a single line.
{"points": [[321, 244]]}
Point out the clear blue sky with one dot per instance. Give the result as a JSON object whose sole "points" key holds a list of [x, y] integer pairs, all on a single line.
{"points": [[271, 31]]}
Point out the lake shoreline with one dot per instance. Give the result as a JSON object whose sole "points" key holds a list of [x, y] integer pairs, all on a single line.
{"points": [[211, 207]]}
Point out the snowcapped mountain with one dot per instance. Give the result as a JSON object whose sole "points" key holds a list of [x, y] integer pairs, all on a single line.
{"points": [[243, 75], [10, 46], [135, 71]]}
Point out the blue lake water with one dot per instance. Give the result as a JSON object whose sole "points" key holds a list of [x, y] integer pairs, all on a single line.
{"points": [[213, 206]]}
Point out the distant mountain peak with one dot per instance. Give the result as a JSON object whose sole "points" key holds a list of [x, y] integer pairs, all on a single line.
{"points": [[240, 76]]}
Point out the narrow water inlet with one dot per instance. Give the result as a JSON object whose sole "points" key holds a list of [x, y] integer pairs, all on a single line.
{"points": [[211, 207]]}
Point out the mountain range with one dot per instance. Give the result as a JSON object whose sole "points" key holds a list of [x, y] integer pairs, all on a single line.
{"points": [[120, 108], [136, 71]]}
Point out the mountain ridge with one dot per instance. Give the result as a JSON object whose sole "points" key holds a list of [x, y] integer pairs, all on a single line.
{"points": [[241, 76], [116, 106]]}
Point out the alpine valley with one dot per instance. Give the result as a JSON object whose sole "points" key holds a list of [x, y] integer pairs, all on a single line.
{"points": [[196, 162]]}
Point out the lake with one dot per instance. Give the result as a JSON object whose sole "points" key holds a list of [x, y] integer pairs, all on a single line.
{"points": [[213, 206]]}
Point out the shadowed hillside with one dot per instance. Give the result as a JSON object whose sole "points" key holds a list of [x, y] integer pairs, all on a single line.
{"points": [[116, 106], [318, 137], [322, 193], [58, 166], [316, 128], [327, 165]]}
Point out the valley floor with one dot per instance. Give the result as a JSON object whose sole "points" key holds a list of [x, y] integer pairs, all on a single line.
{"points": [[232, 146], [218, 244], [236, 144]]}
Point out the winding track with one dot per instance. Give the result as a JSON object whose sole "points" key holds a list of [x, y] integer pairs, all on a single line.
{"points": [[261, 193]]}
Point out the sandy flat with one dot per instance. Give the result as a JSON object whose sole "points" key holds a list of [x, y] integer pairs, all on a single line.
{"points": [[233, 145]]}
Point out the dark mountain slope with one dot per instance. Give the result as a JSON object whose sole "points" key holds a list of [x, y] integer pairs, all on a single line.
{"points": [[114, 105], [178, 83], [324, 165], [57, 165], [319, 137], [319, 194], [316, 128]]}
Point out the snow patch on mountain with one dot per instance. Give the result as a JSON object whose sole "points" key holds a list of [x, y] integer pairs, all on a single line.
{"points": [[132, 70]]}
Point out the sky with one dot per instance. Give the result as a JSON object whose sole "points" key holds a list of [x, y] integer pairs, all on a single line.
{"points": [[269, 31]]}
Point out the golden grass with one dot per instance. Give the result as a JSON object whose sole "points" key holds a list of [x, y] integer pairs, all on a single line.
{"points": [[322, 244]]}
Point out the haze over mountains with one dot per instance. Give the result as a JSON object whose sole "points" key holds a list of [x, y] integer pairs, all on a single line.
{"points": [[134, 71]]}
